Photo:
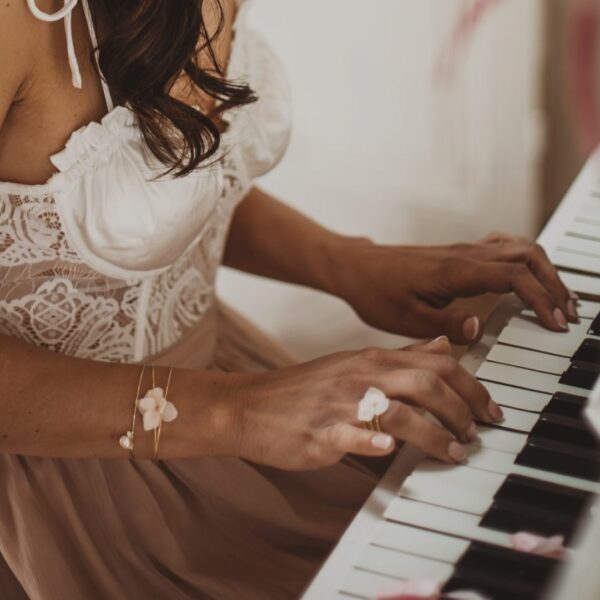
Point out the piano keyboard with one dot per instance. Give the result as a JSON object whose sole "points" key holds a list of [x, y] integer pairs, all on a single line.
{"points": [[536, 471]]}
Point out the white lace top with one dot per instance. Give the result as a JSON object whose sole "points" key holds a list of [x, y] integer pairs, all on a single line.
{"points": [[105, 262]]}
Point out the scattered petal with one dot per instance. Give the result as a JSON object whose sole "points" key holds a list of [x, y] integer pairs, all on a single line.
{"points": [[552, 547], [413, 590]]}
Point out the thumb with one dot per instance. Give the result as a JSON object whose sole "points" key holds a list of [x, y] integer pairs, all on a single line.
{"points": [[459, 325]]}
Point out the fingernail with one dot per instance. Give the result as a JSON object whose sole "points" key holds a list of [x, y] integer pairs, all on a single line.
{"points": [[471, 328], [572, 310], [439, 339], [573, 295], [560, 319], [495, 412], [382, 441], [457, 452], [472, 432]]}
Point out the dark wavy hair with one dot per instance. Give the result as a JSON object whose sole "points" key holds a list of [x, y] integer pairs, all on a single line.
{"points": [[143, 47]]}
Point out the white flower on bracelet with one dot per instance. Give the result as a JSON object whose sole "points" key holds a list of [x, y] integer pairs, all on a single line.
{"points": [[155, 409]]}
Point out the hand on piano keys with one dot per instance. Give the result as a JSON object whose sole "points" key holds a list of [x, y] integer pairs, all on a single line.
{"points": [[409, 289], [537, 471]]}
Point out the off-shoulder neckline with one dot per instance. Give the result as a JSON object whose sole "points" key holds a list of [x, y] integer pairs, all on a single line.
{"points": [[52, 183]]}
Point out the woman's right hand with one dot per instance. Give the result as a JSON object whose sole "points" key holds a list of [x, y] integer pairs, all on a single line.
{"points": [[305, 416]]}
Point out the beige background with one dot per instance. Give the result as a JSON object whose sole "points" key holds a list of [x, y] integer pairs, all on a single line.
{"points": [[381, 148]]}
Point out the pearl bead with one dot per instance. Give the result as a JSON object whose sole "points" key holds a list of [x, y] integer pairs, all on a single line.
{"points": [[126, 442]]}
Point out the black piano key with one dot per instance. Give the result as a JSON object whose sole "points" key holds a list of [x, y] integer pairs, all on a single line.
{"points": [[555, 457], [595, 328], [523, 503], [489, 588], [543, 494], [569, 431], [580, 376], [588, 352], [566, 405], [512, 518], [502, 572]]}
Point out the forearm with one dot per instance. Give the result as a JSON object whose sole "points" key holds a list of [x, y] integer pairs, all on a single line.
{"points": [[270, 239], [58, 406]]}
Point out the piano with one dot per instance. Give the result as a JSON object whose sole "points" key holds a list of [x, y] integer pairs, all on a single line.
{"points": [[538, 471]]}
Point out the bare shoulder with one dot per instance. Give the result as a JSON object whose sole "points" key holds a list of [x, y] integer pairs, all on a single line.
{"points": [[17, 47]]}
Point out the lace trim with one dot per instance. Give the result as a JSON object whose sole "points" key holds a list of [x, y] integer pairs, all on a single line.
{"points": [[60, 317], [77, 311], [30, 231]]}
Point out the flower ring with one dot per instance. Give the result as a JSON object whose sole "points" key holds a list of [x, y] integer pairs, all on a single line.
{"points": [[372, 405]]}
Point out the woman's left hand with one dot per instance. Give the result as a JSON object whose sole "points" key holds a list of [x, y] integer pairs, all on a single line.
{"points": [[407, 290]]}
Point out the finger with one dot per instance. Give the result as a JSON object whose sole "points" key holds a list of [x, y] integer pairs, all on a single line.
{"points": [[534, 256], [440, 345], [343, 438], [478, 277], [406, 424], [535, 295], [424, 388], [461, 326], [471, 391], [499, 237]]}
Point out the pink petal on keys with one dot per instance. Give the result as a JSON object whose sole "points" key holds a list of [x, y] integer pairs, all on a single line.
{"points": [[427, 590], [413, 590], [552, 547]]}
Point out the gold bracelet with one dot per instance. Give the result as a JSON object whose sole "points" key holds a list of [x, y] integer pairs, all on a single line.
{"points": [[155, 408], [162, 415], [127, 439]]}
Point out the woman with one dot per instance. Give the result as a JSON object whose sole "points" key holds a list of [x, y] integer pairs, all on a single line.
{"points": [[122, 193]]}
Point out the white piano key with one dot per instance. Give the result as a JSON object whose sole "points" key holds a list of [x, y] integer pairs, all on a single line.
{"points": [[588, 309], [582, 284], [518, 420], [437, 518], [500, 439], [587, 230], [418, 542], [585, 309], [456, 487], [523, 378], [578, 245], [364, 584], [503, 463], [402, 565], [516, 397], [528, 359], [517, 377], [566, 480], [525, 332], [487, 459], [587, 219], [569, 259], [588, 211]]}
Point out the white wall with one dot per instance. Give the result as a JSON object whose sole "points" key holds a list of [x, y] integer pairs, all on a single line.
{"points": [[381, 148]]}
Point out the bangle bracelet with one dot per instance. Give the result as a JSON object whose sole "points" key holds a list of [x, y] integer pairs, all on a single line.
{"points": [[155, 408], [162, 416], [127, 439]]}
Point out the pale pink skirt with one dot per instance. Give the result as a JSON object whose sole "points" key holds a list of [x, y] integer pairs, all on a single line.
{"points": [[176, 529]]}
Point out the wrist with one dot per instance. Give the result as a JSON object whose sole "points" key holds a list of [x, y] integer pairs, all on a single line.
{"points": [[206, 423], [341, 265]]}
